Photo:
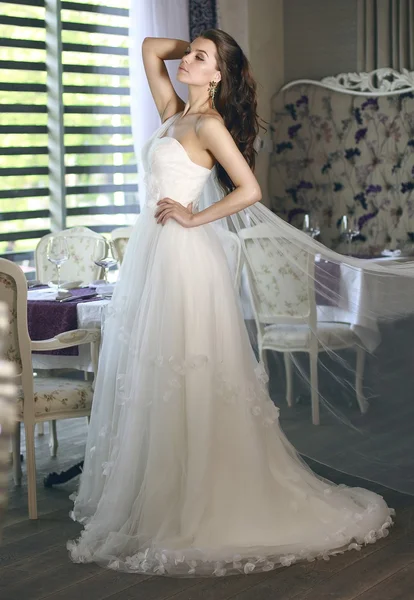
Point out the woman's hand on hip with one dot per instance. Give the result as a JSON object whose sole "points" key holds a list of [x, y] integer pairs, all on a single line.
{"points": [[170, 209]]}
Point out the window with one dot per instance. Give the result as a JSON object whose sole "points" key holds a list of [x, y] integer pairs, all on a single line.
{"points": [[66, 152], [24, 180]]}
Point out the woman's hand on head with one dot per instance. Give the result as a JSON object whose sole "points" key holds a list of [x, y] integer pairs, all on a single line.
{"points": [[170, 209]]}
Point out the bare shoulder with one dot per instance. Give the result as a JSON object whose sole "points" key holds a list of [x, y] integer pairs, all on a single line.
{"points": [[210, 124]]}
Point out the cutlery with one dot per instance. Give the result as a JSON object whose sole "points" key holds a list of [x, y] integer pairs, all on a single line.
{"points": [[31, 286]]}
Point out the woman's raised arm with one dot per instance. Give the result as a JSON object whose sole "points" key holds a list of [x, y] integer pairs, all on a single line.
{"points": [[154, 52]]}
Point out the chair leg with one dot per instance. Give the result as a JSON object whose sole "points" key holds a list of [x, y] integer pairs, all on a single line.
{"points": [[31, 471], [40, 428], [53, 441], [263, 360], [289, 378], [17, 465], [360, 362], [95, 361], [313, 357]]}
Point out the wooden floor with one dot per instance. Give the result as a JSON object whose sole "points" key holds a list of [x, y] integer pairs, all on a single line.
{"points": [[34, 563]]}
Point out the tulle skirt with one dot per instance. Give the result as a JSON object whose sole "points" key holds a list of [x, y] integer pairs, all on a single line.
{"points": [[187, 472]]}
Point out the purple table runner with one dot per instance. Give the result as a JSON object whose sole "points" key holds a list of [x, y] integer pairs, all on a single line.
{"points": [[47, 318]]}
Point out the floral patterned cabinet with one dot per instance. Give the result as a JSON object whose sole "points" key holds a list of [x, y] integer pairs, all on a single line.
{"points": [[345, 146]]}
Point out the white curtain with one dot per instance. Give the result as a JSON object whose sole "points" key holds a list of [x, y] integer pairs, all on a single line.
{"points": [[155, 18], [385, 34]]}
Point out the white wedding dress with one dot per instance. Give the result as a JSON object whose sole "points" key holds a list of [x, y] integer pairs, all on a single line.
{"points": [[186, 471]]}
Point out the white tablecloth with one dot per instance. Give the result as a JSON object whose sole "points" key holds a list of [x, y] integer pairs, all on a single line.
{"points": [[367, 300]]}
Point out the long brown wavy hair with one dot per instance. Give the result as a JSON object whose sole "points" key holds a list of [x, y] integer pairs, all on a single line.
{"points": [[235, 98]]}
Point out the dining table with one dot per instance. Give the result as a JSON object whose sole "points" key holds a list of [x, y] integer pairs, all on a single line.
{"points": [[343, 294]]}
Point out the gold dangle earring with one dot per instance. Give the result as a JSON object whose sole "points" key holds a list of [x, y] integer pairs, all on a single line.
{"points": [[212, 88]]}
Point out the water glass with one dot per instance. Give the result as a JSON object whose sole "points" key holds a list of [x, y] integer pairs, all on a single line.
{"points": [[57, 253]]}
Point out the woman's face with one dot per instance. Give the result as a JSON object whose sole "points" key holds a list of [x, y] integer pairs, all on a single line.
{"points": [[198, 65]]}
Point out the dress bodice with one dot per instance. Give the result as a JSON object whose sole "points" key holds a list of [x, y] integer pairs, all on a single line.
{"points": [[171, 173]]}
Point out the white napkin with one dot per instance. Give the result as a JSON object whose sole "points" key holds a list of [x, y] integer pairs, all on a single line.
{"points": [[46, 294], [105, 288]]}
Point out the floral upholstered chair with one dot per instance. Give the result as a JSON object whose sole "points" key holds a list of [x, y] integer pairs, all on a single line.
{"points": [[281, 284], [85, 246], [120, 237], [7, 410], [39, 399]]}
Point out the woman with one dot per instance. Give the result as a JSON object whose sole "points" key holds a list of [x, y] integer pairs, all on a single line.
{"points": [[187, 471]]}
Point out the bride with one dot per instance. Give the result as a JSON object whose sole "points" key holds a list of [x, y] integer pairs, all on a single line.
{"points": [[187, 472]]}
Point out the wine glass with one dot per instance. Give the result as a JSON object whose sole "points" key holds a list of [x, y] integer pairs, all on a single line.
{"points": [[106, 262], [310, 226], [349, 231], [57, 253]]}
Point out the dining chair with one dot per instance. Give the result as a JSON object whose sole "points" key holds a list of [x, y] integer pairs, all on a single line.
{"points": [[282, 292], [8, 392], [85, 246], [42, 398], [120, 237]]}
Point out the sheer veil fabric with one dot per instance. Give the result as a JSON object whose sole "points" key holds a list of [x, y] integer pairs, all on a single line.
{"points": [[187, 472]]}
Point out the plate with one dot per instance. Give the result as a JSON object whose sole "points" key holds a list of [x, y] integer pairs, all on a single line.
{"points": [[66, 285]]}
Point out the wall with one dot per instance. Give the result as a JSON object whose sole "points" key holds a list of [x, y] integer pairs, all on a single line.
{"points": [[233, 17], [320, 38], [291, 39], [257, 25], [266, 57]]}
